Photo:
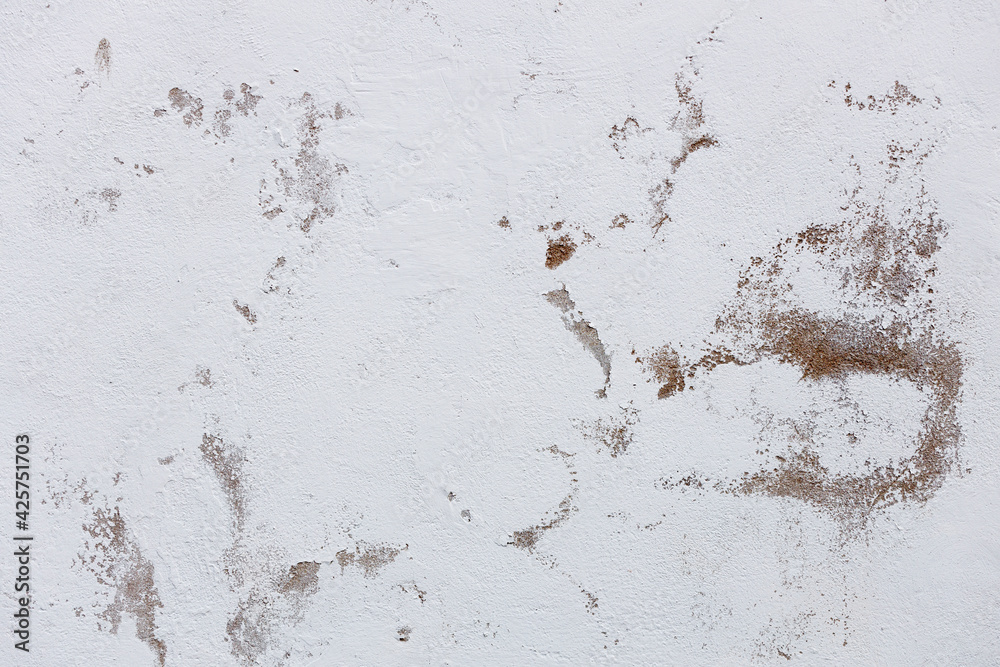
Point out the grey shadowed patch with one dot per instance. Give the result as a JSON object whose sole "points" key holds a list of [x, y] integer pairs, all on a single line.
{"points": [[584, 332]]}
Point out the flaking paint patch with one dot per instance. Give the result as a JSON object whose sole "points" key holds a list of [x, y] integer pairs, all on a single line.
{"points": [[302, 578], [116, 561]]}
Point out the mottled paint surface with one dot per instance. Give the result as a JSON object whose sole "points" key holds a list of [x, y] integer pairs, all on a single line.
{"points": [[399, 332]]}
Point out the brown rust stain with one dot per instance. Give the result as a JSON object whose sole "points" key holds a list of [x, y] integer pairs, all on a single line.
{"points": [[559, 250], [620, 221], [688, 121], [248, 101], [116, 561], [825, 349], [234, 105], [665, 366], [311, 178], [249, 630], [528, 538], [689, 146], [619, 135], [898, 97], [111, 197], [882, 256]]}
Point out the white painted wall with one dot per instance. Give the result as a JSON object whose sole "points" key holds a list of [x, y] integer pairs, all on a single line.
{"points": [[221, 394]]}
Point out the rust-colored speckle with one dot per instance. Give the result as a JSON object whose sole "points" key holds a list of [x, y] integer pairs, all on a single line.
{"points": [[245, 311], [560, 250]]}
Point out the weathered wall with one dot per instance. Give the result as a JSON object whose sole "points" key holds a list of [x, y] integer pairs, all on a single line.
{"points": [[401, 332]]}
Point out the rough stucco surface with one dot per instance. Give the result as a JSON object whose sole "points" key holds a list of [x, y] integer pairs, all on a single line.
{"points": [[400, 332]]}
